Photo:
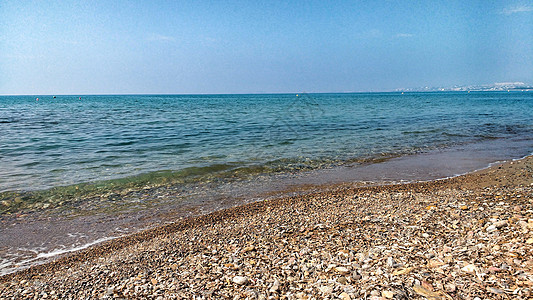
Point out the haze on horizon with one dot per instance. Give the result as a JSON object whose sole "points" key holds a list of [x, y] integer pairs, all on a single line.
{"points": [[200, 47]]}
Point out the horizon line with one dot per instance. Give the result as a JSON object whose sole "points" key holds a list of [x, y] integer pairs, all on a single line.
{"points": [[261, 93]]}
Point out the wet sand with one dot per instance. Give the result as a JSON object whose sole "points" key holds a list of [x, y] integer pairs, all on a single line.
{"points": [[460, 238]]}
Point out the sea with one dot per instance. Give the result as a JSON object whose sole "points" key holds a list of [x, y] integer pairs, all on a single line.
{"points": [[77, 170]]}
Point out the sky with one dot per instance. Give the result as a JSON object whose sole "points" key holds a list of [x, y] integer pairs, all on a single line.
{"points": [[210, 47]]}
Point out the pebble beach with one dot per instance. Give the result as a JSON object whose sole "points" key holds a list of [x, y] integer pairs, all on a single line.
{"points": [[467, 237]]}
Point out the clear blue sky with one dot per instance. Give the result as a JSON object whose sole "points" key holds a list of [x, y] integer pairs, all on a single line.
{"points": [[100, 47]]}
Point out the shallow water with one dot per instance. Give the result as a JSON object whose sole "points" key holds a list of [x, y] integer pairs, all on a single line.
{"points": [[74, 171]]}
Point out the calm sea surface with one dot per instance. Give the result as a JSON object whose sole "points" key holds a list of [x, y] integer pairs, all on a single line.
{"points": [[70, 151], [67, 140]]}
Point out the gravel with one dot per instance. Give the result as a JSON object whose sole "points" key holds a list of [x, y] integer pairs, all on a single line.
{"points": [[468, 237]]}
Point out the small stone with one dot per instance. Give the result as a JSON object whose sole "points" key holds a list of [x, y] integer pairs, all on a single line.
{"points": [[529, 241], [345, 296], [240, 280], [500, 224], [433, 263], [231, 266], [523, 226], [326, 289], [471, 269], [110, 291], [495, 290], [505, 267], [387, 294], [342, 270], [464, 207], [425, 292], [492, 228], [344, 253], [402, 271], [330, 267], [426, 285], [154, 281], [248, 249], [342, 280], [275, 286], [390, 262], [450, 287]]}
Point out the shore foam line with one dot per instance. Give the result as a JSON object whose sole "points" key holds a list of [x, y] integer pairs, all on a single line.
{"points": [[4, 267], [62, 251]]}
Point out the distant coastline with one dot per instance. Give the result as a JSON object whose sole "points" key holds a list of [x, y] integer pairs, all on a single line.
{"points": [[495, 87]]}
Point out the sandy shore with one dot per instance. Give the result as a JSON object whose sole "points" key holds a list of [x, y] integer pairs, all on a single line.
{"points": [[469, 237]]}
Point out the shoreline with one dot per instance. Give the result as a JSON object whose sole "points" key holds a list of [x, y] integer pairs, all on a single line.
{"points": [[514, 176], [55, 231]]}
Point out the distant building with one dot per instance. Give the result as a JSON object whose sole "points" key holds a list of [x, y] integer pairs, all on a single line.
{"points": [[497, 86]]}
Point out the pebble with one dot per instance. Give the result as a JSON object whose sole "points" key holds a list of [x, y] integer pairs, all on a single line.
{"points": [[326, 289], [402, 271], [344, 296], [495, 290], [500, 224], [450, 287], [240, 280], [390, 262], [387, 294], [371, 243], [342, 270], [471, 269], [342, 280], [523, 226], [492, 228], [275, 286]]}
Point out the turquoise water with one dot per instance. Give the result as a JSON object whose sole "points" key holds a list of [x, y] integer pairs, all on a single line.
{"points": [[75, 172], [67, 140]]}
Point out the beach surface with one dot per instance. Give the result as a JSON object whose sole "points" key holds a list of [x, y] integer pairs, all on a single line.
{"points": [[467, 237]]}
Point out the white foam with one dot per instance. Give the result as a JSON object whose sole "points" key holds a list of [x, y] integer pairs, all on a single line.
{"points": [[7, 266], [62, 251]]}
